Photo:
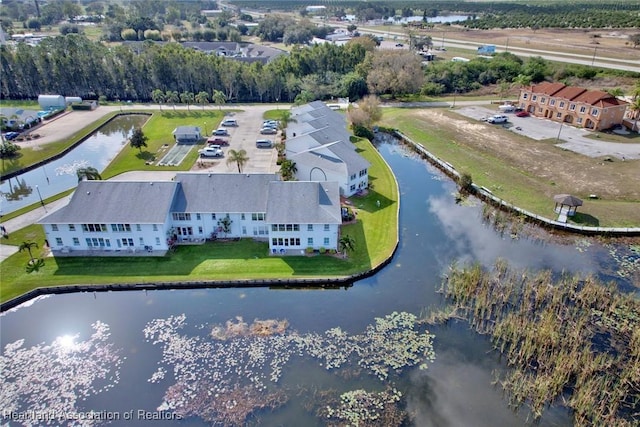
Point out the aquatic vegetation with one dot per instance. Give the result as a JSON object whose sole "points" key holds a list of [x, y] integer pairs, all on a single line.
{"points": [[627, 261], [572, 339], [231, 374], [363, 408], [48, 381]]}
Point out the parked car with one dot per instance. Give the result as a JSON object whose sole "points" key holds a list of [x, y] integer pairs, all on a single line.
{"points": [[229, 122], [11, 135], [399, 45], [498, 118], [271, 123], [264, 143], [268, 131], [522, 114], [217, 141], [221, 132], [211, 152]]}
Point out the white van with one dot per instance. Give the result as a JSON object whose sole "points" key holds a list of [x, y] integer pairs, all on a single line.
{"points": [[229, 123]]}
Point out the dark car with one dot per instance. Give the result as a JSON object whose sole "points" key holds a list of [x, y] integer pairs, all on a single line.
{"points": [[217, 141], [11, 135], [522, 114]]}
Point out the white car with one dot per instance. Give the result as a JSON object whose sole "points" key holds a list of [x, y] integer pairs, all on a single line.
{"points": [[210, 152], [264, 143], [221, 132], [268, 131], [498, 118], [229, 122]]}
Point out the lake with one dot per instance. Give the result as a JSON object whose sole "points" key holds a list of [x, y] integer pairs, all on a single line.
{"points": [[307, 355], [60, 175]]}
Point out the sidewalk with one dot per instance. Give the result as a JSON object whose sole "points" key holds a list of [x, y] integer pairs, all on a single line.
{"points": [[26, 219]]}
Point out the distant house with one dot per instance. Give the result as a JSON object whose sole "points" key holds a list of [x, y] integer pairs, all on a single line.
{"points": [[245, 52], [319, 143], [103, 217], [589, 109], [187, 134]]}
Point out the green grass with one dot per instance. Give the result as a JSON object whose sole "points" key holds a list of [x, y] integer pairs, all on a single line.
{"points": [[520, 187], [159, 130], [375, 234]]}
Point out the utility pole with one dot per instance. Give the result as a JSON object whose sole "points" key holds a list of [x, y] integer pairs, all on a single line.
{"points": [[593, 60]]}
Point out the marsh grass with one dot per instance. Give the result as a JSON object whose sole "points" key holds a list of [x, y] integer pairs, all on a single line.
{"points": [[569, 339]]}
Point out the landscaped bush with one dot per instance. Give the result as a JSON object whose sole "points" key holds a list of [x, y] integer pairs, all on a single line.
{"points": [[323, 250], [309, 250], [363, 132]]}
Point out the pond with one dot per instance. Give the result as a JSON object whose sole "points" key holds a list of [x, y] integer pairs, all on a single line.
{"points": [[59, 175], [219, 354]]}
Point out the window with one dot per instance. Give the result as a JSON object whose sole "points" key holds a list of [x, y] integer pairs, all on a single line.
{"points": [[72, 227], [157, 241], [326, 241], [534, 97], [572, 107], [257, 217], [558, 115], [198, 217], [352, 188], [309, 227], [59, 241], [155, 227], [127, 242], [579, 120], [182, 216], [76, 241], [274, 242], [583, 109], [289, 227], [94, 227], [141, 241], [296, 227], [552, 102], [543, 100], [213, 216], [138, 227], [326, 227], [352, 177], [242, 217], [525, 96], [274, 227], [244, 230], [54, 227], [594, 112], [199, 230], [561, 104], [310, 241], [122, 227], [363, 172], [280, 227]]}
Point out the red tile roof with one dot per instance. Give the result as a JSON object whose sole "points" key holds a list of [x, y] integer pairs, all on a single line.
{"points": [[547, 88], [569, 92]]}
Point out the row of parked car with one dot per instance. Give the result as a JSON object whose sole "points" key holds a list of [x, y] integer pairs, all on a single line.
{"points": [[216, 142]]}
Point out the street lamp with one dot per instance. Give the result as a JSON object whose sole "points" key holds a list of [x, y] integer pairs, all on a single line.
{"points": [[593, 60], [205, 129], [559, 130], [40, 197]]}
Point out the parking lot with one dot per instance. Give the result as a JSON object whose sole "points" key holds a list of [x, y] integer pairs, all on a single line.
{"points": [[569, 137], [244, 136]]}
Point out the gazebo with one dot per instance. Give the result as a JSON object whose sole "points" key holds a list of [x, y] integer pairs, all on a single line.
{"points": [[566, 205]]}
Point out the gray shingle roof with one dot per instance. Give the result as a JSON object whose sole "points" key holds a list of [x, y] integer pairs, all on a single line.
{"points": [[304, 202], [116, 202], [228, 193]]}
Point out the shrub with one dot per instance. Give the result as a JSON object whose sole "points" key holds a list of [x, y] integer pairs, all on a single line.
{"points": [[363, 132], [309, 250], [466, 183], [323, 250]]}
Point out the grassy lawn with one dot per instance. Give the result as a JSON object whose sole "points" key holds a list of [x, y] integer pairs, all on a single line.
{"points": [[375, 233], [159, 130], [528, 182]]}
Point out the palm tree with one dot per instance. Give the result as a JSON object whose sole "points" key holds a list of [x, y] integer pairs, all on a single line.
{"points": [[26, 246], [172, 97], [158, 97], [88, 174], [346, 243], [202, 98], [219, 98], [288, 169], [239, 157], [187, 98]]}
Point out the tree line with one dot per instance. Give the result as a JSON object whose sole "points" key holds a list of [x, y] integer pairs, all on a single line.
{"points": [[72, 65]]}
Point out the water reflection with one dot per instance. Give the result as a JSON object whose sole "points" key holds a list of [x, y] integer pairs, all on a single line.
{"points": [[455, 390], [59, 175]]}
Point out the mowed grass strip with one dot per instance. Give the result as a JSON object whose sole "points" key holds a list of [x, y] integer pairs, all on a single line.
{"points": [[375, 233], [525, 172]]}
